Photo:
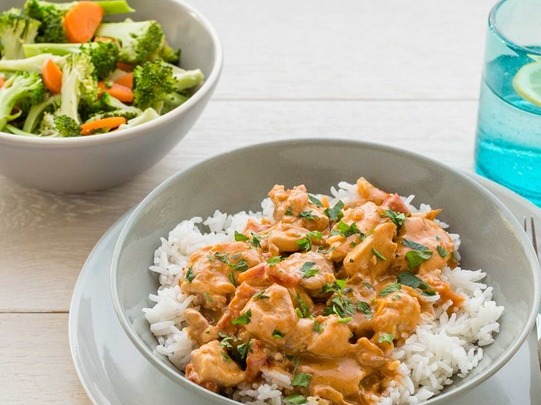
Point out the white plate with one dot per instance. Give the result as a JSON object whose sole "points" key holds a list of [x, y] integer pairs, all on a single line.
{"points": [[112, 371]]}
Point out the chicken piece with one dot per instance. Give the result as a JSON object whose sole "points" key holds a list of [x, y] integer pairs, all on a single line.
{"points": [[257, 276], [294, 207], [211, 364], [369, 192], [323, 336], [242, 295], [396, 316], [211, 270], [365, 217], [373, 256], [310, 270], [258, 357], [431, 237], [199, 328], [273, 316], [369, 355], [285, 238]]}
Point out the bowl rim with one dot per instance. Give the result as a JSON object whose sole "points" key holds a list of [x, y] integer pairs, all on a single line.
{"points": [[175, 376], [140, 130]]}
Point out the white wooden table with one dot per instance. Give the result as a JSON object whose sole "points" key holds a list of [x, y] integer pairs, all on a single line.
{"points": [[399, 73]]}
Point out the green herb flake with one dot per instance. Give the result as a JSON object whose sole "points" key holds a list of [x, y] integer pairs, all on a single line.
{"points": [[441, 251], [226, 340], [225, 357], [260, 295], [339, 305], [391, 288], [241, 265], [364, 308], [308, 270], [274, 260], [306, 242], [368, 285], [243, 319], [239, 237], [232, 278], [318, 327], [244, 348], [303, 310], [378, 255], [277, 334], [346, 230], [295, 399], [413, 245], [301, 380], [397, 218], [386, 337], [288, 212], [296, 362], [314, 200], [190, 275], [335, 213], [307, 215], [415, 258], [256, 241], [345, 320], [208, 297], [411, 280]]}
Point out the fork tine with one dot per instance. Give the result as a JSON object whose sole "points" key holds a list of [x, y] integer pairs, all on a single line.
{"points": [[534, 237]]}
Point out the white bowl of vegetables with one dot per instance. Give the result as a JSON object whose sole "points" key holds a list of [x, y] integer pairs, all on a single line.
{"points": [[94, 93]]}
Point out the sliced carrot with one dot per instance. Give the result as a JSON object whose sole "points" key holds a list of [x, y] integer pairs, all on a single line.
{"points": [[126, 67], [82, 21], [123, 93], [105, 123], [126, 80], [52, 76]]}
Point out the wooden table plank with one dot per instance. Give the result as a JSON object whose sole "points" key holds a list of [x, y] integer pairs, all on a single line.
{"points": [[36, 366], [45, 237], [354, 49]]}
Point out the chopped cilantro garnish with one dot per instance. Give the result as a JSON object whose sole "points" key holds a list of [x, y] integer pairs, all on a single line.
{"points": [[190, 275], [441, 250], [274, 260], [390, 289], [397, 218], [256, 241], [301, 380], [295, 399], [347, 230], [303, 310], [243, 319], [208, 297], [307, 215], [260, 295], [226, 340], [411, 280], [335, 213], [288, 212], [364, 308], [314, 200], [339, 305], [417, 256], [244, 348], [277, 334], [239, 237], [318, 327], [232, 278], [344, 320], [225, 357], [241, 265], [308, 270], [306, 242], [379, 255], [386, 337]]}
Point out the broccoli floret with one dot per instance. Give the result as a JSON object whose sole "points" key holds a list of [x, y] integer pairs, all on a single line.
{"points": [[20, 88], [59, 126], [139, 41], [148, 115], [33, 64], [162, 86], [16, 29], [153, 82], [104, 55], [169, 54], [51, 16], [78, 85]]}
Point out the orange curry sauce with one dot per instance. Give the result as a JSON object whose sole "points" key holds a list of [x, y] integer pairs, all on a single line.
{"points": [[322, 294]]}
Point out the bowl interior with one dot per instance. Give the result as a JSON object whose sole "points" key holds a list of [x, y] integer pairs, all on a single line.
{"points": [[491, 237]]}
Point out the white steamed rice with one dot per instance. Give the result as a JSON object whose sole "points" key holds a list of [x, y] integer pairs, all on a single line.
{"points": [[442, 346]]}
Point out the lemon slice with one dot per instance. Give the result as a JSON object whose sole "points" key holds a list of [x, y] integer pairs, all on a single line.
{"points": [[527, 82]]}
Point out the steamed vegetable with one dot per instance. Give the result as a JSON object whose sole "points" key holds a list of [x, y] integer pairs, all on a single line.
{"points": [[64, 72]]}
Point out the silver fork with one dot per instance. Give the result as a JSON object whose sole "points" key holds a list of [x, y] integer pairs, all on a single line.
{"points": [[530, 231]]}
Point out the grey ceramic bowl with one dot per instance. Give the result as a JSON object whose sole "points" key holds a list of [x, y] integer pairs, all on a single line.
{"points": [[102, 161], [492, 239]]}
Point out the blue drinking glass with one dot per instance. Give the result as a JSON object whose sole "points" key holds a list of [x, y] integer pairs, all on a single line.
{"points": [[508, 140]]}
